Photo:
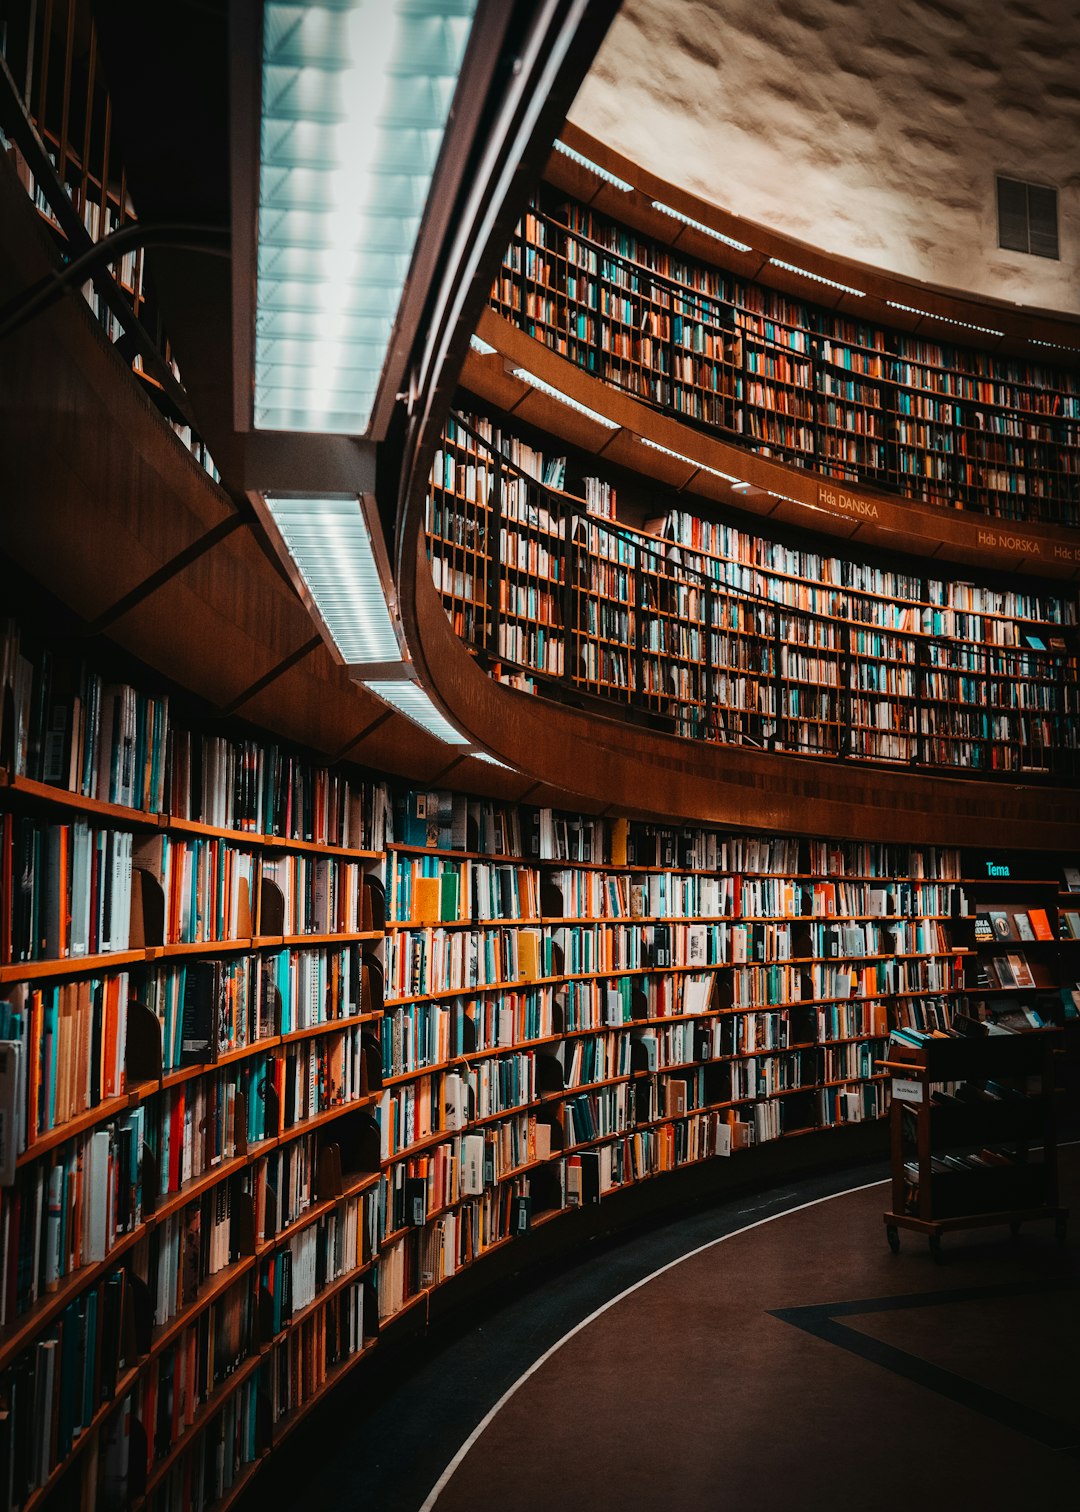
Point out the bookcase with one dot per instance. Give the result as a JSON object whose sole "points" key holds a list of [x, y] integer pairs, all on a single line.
{"points": [[973, 1134], [932, 420], [717, 632], [191, 980], [286, 1047]]}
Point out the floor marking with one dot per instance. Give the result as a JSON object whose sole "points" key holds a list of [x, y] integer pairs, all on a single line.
{"points": [[445, 1478], [821, 1322]]}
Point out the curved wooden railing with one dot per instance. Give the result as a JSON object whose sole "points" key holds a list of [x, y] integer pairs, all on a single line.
{"points": [[939, 421], [568, 602]]}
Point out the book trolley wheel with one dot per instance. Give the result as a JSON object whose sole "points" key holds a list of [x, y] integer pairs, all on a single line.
{"points": [[892, 1233]]}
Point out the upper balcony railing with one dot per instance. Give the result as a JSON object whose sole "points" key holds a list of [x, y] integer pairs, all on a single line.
{"points": [[56, 126], [850, 663], [943, 423]]}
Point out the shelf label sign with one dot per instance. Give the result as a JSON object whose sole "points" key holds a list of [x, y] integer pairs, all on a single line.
{"points": [[1008, 540], [997, 869], [907, 1091], [839, 499]]}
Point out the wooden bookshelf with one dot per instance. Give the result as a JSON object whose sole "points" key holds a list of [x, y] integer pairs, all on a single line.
{"points": [[864, 402], [720, 634], [653, 997]]}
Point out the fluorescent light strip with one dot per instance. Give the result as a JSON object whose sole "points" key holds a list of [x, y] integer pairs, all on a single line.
{"points": [[329, 542], [355, 101], [493, 760], [602, 173], [546, 388], [729, 241], [778, 262], [690, 461], [409, 698], [949, 320], [1057, 345], [478, 344]]}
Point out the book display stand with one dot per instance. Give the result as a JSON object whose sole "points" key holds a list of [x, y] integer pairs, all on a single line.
{"points": [[973, 1135]]}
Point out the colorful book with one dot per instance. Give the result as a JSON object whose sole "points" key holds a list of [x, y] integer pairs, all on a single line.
{"points": [[1021, 971], [1040, 923]]}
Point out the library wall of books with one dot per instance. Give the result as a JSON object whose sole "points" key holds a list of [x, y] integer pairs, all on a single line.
{"points": [[299, 1024]]}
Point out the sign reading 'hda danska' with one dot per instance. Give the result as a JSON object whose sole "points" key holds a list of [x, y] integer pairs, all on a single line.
{"points": [[846, 503]]}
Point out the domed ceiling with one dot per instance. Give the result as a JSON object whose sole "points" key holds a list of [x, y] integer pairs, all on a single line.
{"points": [[870, 128]]}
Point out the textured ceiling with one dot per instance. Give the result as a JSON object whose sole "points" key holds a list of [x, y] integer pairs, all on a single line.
{"points": [[867, 128]]}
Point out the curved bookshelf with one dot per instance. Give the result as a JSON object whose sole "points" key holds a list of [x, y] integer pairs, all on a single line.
{"points": [[297, 1171], [535, 1011], [776, 362], [724, 635]]}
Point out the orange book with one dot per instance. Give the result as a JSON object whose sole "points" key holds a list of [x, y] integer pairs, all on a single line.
{"points": [[1040, 924], [84, 1028], [67, 1035], [110, 1038], [427, 897]]}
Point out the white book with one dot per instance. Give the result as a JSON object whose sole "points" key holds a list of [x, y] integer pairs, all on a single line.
{"points": [[472, 1165], [81, 854], [96, 1196], [455, 1101]]}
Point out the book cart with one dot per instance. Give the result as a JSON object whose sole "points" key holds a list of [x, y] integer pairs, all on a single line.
{"points": [[1004, 1094]]}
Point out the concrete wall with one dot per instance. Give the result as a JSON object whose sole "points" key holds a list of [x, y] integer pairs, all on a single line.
{"points": [[869, 128]]}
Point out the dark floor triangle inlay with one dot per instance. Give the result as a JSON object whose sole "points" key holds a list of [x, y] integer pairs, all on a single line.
{"points": [[821, 1322]]}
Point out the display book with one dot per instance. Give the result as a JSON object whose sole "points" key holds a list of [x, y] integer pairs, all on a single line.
{"points": [[973, 1100], [190, 993], [937, 420], [881, 663]]}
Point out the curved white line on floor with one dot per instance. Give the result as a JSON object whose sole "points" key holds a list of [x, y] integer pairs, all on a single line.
{"points": [[444, 1479]]}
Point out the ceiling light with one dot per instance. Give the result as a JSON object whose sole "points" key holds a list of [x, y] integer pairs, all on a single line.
{"points": [[494, 760], [690, 461], [700, 226], [355, 100], [949, 319], [329, 541], [778, 262], [546, 388], [409, 698], [478, 344], [602, 173], [1057, 345]]}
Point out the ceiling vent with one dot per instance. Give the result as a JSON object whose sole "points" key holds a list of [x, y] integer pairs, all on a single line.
{"points": [[1027, 218]]}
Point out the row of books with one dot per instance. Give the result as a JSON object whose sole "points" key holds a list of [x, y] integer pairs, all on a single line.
{"points": [[598, 309], [62, 723], [74, 890]]}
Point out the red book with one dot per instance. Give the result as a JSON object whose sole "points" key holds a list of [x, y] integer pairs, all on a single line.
{"points": [[176, 1140], [1040, 923]]}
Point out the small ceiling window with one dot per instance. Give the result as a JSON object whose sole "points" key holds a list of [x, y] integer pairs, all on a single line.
{"points": [[1027, 218]]}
